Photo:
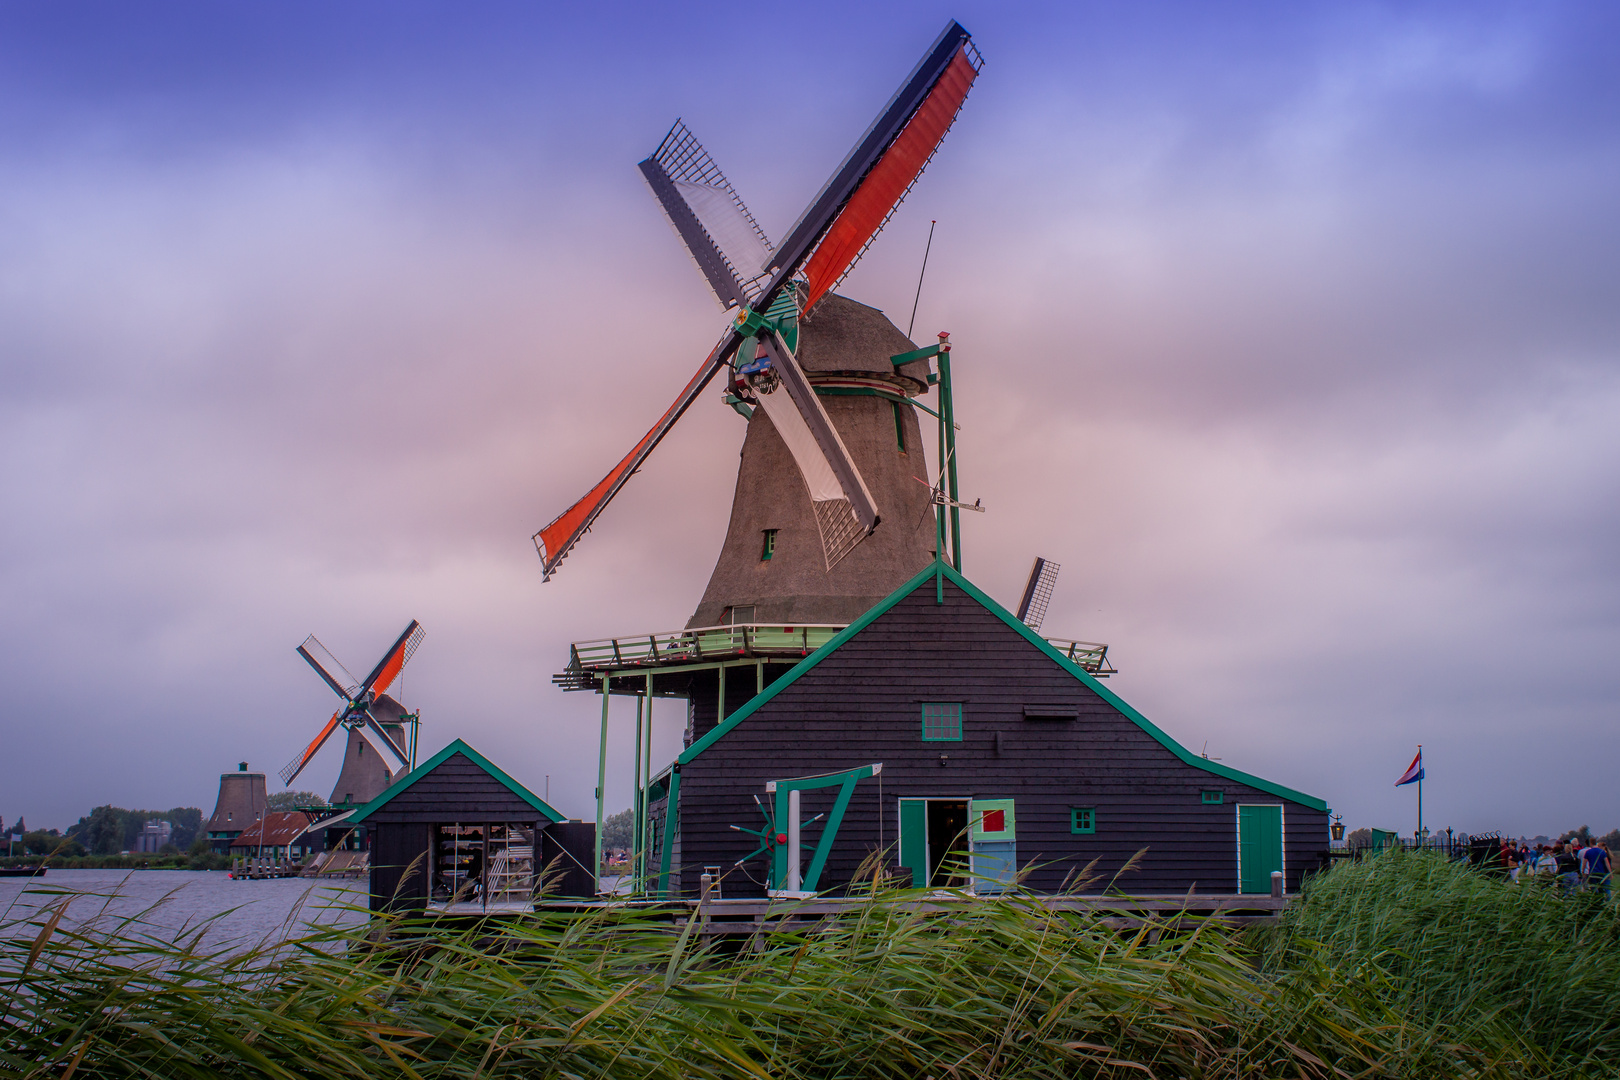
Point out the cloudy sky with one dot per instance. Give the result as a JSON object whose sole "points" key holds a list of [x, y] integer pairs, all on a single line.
{"points": [[1291, 331]]}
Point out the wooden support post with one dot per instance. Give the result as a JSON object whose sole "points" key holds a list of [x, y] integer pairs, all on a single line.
{"points": [[759, 677], [635, 801], [646, 779], [722, 717], [601, 785]]}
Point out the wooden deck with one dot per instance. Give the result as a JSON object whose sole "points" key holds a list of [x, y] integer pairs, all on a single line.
{"points": [[758, 916]]}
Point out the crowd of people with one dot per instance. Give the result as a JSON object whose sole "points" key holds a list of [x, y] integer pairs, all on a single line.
{"points": [[1573, 864]]}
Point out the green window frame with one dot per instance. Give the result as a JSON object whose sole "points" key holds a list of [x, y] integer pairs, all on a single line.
{"points": [[1213, 796], [942, 721], [1082, 819], [769, 549]]}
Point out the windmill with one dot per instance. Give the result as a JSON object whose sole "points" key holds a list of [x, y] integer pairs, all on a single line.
{"points": [[779, 298], [371, 717]]}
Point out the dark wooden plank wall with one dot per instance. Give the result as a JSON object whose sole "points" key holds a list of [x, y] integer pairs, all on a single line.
{"points": [[399, 853], [457, 790], [863, 705]]}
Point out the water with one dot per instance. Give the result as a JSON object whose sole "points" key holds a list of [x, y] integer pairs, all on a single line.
{"points": [[249, 911]]}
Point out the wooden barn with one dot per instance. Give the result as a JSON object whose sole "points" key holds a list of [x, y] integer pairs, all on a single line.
{"points": [[993, 745], [458, 834]]}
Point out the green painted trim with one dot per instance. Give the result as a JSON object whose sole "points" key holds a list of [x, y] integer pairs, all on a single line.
{"points": [[944, 570], [666, 856], [925, 353], [1212, 797], [783, 682], [1082, 820], [456, 747], [867, 391]]}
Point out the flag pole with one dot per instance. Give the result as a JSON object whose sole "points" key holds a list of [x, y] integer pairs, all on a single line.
{"points": [[1420, 796]]}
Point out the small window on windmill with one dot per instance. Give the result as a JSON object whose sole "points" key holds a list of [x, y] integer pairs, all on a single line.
{"points": [[899, 426], [1082, 819], [738, 616], [769, 547]]}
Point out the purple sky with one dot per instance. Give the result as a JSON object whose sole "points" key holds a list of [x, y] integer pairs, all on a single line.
{"points": [[1289, 330]]}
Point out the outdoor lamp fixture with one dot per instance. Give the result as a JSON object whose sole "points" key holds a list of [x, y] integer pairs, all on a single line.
{"points": [[1337, 828]]}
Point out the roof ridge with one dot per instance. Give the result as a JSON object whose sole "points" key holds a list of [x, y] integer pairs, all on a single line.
{"points": [[940, 568]]}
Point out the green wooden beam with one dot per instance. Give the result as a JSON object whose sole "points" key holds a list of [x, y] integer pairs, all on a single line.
{"points": [[927, 352]]}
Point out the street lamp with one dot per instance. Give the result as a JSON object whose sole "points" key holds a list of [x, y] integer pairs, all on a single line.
{"points": [[1337, 828]]}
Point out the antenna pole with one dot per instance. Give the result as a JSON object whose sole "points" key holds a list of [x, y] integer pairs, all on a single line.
{"points": [[924, 270], [947, 412]]}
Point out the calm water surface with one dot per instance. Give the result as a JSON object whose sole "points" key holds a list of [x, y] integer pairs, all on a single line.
{"points": [[172, 900]]}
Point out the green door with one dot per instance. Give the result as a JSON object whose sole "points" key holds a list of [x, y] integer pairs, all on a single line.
{"points": [[914, 839], [1260, 846]]}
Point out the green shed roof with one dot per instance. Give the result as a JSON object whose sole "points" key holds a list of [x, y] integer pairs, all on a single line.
{"points": [[456, 747]]}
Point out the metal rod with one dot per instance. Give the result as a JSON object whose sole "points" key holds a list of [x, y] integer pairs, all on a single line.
{"points": [[601, 784], [928, 247], [793, 879]]}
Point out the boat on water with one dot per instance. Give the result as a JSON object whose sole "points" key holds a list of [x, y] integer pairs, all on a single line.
{"points": [[22, 871]]}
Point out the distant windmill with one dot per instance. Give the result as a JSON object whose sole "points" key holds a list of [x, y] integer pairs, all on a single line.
{"points": [[371, 717], [770, 290], [1091, 655]]}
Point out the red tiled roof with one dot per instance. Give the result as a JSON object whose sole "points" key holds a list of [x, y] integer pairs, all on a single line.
{"points": [[279, 828]]}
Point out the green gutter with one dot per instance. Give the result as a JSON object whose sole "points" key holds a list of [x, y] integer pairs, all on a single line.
{"points": [[456, 747], [1102, 691]]}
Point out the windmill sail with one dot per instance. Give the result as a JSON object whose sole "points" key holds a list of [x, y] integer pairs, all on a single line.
{"points": [[844, 510], [290, 771], [1038, 593], [555, 540], [859, 199], [708, 215]]}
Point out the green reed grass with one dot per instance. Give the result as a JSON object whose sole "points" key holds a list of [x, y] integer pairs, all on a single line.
{"points": [[1470, 953], [995, 988]]}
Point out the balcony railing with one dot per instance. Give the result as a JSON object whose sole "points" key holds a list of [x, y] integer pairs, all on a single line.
{"points": [[701, 645], [714, 644], [1090, 655]]}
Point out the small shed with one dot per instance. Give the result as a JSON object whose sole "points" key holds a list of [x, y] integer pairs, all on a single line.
{"points": [[456, 834]]}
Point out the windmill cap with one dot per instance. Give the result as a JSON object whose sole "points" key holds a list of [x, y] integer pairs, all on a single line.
{"points": [[241, 766]]}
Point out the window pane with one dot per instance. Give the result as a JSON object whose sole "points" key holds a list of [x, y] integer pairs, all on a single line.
{"points": [[942, 721]]}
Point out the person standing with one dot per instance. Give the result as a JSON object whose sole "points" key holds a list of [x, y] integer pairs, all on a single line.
{"points": [[1599, 868], [1569, 867]]}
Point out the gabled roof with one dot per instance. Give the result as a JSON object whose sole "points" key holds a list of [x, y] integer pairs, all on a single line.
{"points": [[926, 577], [456, 747], [278, 829]]}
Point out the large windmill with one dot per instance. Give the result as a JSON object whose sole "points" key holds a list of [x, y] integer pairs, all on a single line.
{"points": [[373, 719], [807, 483]]}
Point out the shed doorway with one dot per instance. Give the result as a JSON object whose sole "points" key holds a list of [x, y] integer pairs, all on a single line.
{"points": [[934, 841], [1260, 845]]}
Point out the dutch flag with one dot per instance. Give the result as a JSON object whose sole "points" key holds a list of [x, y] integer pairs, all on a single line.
{"points": [[1414, 771]]}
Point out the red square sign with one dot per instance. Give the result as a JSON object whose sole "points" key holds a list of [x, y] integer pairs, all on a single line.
{"points": [[994, 821]]}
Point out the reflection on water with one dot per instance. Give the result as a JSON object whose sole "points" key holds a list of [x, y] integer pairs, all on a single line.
{"points": [[174, 900]]}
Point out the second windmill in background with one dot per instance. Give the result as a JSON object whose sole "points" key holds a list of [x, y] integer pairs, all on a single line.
{"points": [[1091, 655], [373, 718]]}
